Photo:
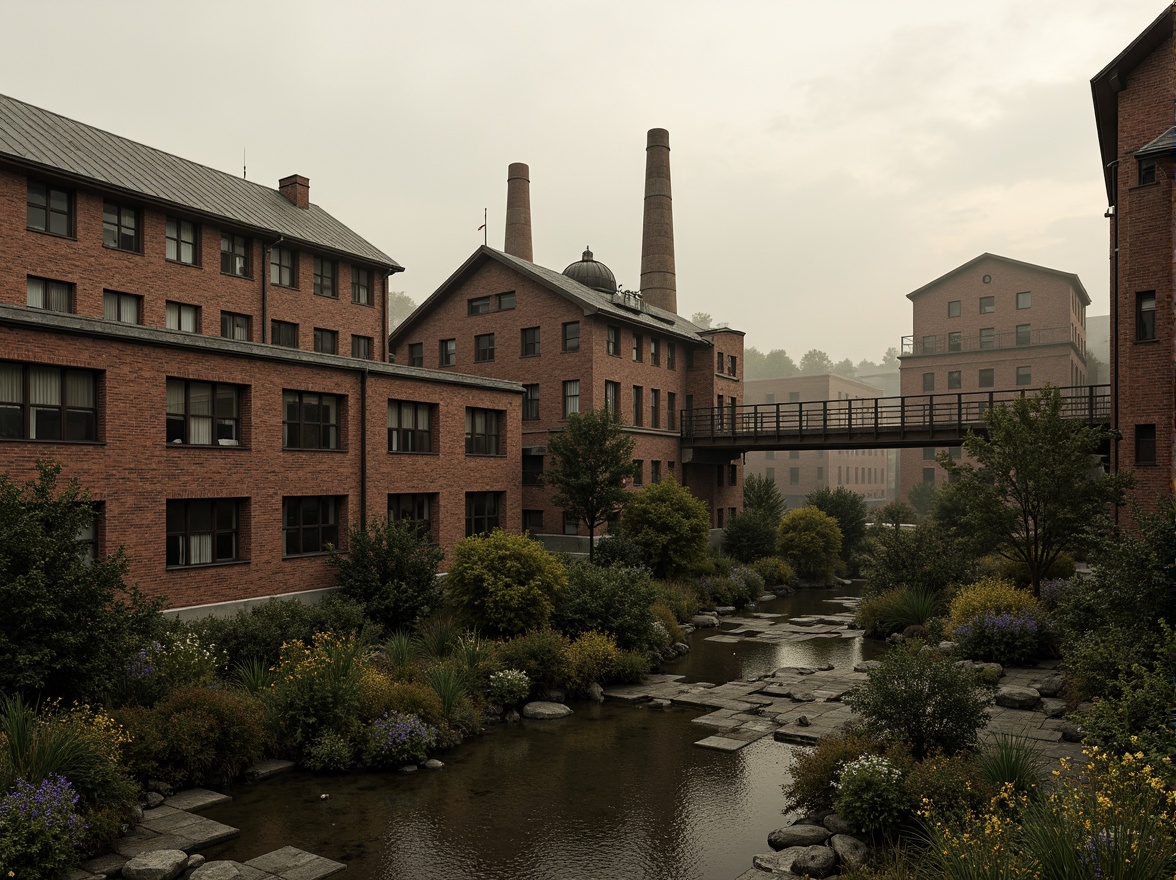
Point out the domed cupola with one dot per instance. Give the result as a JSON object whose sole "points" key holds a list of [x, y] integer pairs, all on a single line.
{"points": [[592, 273]]}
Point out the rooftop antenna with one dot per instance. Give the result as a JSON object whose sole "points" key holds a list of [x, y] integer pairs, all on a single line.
{"points": [[482, 229], [244, 168]]}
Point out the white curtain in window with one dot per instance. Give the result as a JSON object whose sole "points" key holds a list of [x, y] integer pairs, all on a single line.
{"points": [[199, 549], [45, 386], [36, 293], [11, 390], [110, 306], [79, 389], [175, 397], [199, 412]]}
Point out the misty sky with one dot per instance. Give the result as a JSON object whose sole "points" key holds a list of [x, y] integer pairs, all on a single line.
{"points": [[827, 158]]}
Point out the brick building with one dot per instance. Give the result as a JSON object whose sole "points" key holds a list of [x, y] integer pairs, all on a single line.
{"points": [[175, 336], [799, 472], [577, 344], [1134, 99], [991, 324]]}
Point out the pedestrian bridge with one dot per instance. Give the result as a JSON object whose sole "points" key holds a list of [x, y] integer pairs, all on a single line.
{"points": [[870, 423]]}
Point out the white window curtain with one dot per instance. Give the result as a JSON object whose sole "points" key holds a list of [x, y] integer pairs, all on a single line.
{"points": [[36, 293], [199, 550], [175, 397], [44, 386], [200, 413], [11, 384], [79, 389]]}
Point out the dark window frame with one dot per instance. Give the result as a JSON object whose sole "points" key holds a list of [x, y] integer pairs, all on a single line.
{"points": [[48, 211], [1027, 373], [612, 340], [483, 512], [987, 305], [954, 308], [1147, 172], [928, 381], [655, 408], [311, 538], [638, 348], [415, 508], [233, 322], [361, 286], [1145, 445], [125, 231], [326, 277], [1145, 318], [484, 348], [175, 241], [571, 336], [410, 426], [236, 255], [284, 330], [361, 347], [52, 289], [22, 419], [955, 380], [283, 267], [312, 415], [570, 408], [447, 353], [531, 402], [638, 406], [326, 341], [986, 381], [530, 339], [416, 354], [612, 397], [223, 429], [486, 438], [181, 310], [120, 300], [178, 548]]}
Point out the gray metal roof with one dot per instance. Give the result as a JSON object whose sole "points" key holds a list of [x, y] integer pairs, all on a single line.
{"points": [[37, 137], [1162, 145]]}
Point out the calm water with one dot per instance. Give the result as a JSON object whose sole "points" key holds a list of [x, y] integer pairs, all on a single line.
{"points": [[614, 792]]}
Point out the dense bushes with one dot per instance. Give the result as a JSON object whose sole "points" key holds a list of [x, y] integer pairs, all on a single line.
{"points": [[614, 600], [810, 541], [750, 535], [893, 610], [995, 620], [926, 558], [670, 526]]}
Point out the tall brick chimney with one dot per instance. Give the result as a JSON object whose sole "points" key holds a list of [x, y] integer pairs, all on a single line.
{"points": [[296, 188], [658, 283], [518, 211]]}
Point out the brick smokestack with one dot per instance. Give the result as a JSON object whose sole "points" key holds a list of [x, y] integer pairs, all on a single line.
{"points": [[518, 211], [296, 188], [658, 283]]}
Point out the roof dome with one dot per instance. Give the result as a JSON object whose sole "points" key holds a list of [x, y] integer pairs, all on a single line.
{"points": [[592, 273]]}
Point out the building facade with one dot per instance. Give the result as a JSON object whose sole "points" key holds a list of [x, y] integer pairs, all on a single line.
{"points": [[1134, 113], [207, 357], [992, 324]]}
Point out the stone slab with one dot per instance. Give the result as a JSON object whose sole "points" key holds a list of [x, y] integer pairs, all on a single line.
{"points": [[721, 743], [109, 864], [292, 863], [196, 799], [79, 874], [268, 768], [628, 693], [133, 845], [722, 722], [730, 640]]}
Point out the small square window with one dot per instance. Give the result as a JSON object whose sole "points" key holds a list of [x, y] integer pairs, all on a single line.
{"points": [[416, 354], [928, 381], [1024, 375], [120, 226], [1147, 171], [955, 341], [284, 333], [50, 209], [1145, 444], [447, 352], [1024, 299], [987, 337], [235, 255], [483, 348], [1024, 334], [235, 326], [928, 345], [986, 378], [505, 301], [571, 336], [953, 309], [533, 521], [182, 317], [954, 380], [283, 267], [1145, 316], [122, 307], [987, 305], [928, 453], [361, 347], [326, 341], [361, 286]]}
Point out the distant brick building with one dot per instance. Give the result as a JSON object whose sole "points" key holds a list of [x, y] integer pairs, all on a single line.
{"points": [[991, 324], [1134, 111], [176, 338], [799, 472]]}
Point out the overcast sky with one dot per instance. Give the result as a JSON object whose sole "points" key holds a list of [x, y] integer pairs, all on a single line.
{"points": [[827, 157]]}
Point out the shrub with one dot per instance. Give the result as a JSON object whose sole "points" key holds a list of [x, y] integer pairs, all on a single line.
{"points": [[949, 785], [849, 509], [40, 829], [775, 571], [316, 689], [994, 620], [613, 600], [177, 659], [631, 667], [616, 549], [892, 611], [543, 655], [871, 795], [750, 535], [394, 740], [810, 541], [925, 557], [398, 654], [895, 513], [452, 687], [437, 637], [680, 597], [593, 657], [1134, 715], [750, 581], [670, 526], [509, 687], [416, 699], [815, 771], [1105, 656], [1018, 572], [376, 690], [330, 753], [921, 699], [664, 615], [762, 495], [504, 584], [475, 657], [390, 568]]}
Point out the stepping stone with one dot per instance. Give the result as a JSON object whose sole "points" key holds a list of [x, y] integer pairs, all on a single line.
{"points": [[296, 864], [627, 693], [795, 735], [721, 743], [266, 769], [722, 722], [724, 638], [196, 799]]}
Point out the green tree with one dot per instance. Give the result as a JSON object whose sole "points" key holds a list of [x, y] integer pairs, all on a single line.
{"points": [[591, 462], [922, 497], [390, 569], [811, 541], [1035, 486], [670, 526], [844, 368], [762, 494], [776, 364], [849, 509], [69, 625], [815, 362], [701, 319], [750, 535], [504, 584], [400, 306]]}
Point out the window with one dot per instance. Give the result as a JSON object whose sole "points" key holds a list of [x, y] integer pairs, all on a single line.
{"points": [[532, 470], [654, 408], [571, 336], [482, 512], [986, 379], [732, 475], [719, 517], [324, 277], [719, 362], [955, 453], [794, 453], [1147, 171], [47, 403], [670, 468], [361, 347], [794, 397], [53, 296], [483, 431], [671, 409], [928, 453], [235, 326], [479, 305], [1024, 335], [955, 341], [613, 340], [639, 472], [500, 302], [326, 341], [310, 420], [533, 521], [690, 358], [1024, 375], [928, 345], [504, 301], [655, 471], [954, 379], [1145, 444], [50, 209], [87, 537], [416, 354], [732, 365], [235, 255], [361, 286], [671, 352], [571, 524], [987, 337], [638, 405], [638, 347], [182, 316], [654, 352], [1145, 315], [122, 307], [484, 348], [120, 226], [928, 381], [1024, 299], [953, 308], [447, 353], [531, 341], [571, 397], [987, 304], [203, 413], [284, 267], [612, 397], [309, 524], [410, 426], [415, 507], [203, 531], [794, 476], [284, 333], [530, 403]]}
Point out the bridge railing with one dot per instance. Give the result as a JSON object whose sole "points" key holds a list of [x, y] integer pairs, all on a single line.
{"points": [[918, 414]]}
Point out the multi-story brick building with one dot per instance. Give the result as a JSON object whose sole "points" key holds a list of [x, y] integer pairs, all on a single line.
{"points": [[992, 324], [1134, 102], [799, 472], [173, 336], [577, 343]]}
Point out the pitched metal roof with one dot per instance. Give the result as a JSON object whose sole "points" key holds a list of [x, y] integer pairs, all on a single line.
{"points": [[1069, 276], [36, 137], [1160, 146]]}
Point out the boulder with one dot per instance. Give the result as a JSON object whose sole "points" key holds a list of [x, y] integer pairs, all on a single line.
{"points": [[705, 620], [433, 764], [1012, 697], [408, 768], [851, 852], [866, 665], [725, 610], [778, 862], [658, 703], [152, 799], [815, 861], [798, 835], [1071, 732], [837, 825], [682, 648], [1053, 707], [1049, 686], [947, 647], [595, 693], [218, 870], [512, 717], [545, 710], [195, 861], [156, 864]]}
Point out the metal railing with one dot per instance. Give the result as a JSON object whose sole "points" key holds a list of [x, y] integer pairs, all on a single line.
{"points": [[950, 343]]}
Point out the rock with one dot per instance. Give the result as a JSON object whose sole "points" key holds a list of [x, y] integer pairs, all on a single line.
{"points": [[1049, 686], [705, 620], [544, 710], [137, 812], [682, 648], [195, 861], [408, 768], [217, 871], [156, 864], [1071, 732], [658, 703], [798, 835], [766, 597], [1012, 697], [802, 721], [1053, 707], [947, 647], [512, 717], [725, 610], [867, 665], [837, 825], [152, 799], [162, 787], [850, 851], [778, 862], [595, 693], [433, 764], [667, 654], [802, 696], [815, 861]]}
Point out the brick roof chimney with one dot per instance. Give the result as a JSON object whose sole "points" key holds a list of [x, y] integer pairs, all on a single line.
{"points": [[659, 286], [296, 188], [518, 211]]}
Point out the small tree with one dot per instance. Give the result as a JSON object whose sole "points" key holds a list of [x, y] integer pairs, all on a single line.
{"points": [[391, 569], [1034, 488], [750, 535], [811, 541], [670, 525], [400, 306], [504, 584], [849, 509], [591, 462], [763, 495], [922, 497]]}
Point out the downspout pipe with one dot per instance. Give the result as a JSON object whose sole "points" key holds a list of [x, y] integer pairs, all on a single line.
{"points": [[1114, 212]]}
